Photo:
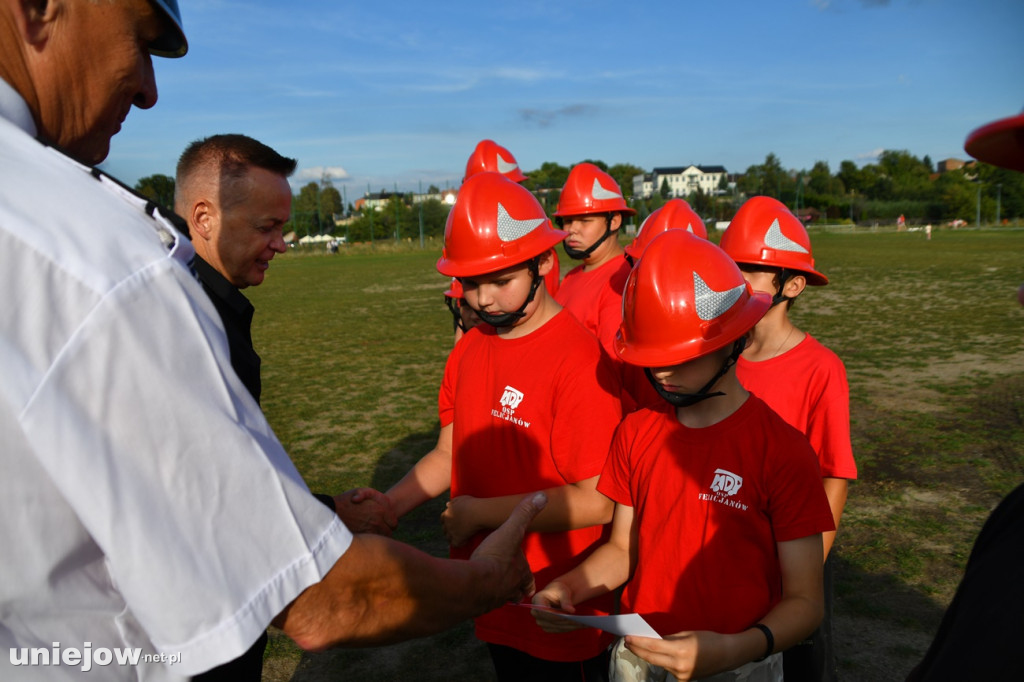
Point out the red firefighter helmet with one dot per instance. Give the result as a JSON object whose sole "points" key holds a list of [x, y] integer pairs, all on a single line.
{"points": [[590, 190], [494, 224], [1000, 143], [454, 289], [765, 232], [675, 214], [684, 299], [489, 156]]}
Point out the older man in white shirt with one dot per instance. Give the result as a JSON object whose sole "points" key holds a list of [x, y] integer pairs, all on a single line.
{"points": [[146, 507]]}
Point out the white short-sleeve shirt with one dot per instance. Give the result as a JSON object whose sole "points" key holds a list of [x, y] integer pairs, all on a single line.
{"points": [[145, 502]]}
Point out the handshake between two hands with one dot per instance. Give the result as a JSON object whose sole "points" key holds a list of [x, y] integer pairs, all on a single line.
{"points": [[365, 510]]}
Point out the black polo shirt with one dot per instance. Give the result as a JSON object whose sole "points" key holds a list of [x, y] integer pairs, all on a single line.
{"points": [[236, 313]]}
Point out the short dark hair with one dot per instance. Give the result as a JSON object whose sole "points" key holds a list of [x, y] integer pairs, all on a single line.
{"points": [[233, 154]]}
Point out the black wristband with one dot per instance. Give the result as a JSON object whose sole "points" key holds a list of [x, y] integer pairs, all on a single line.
{"points": [[768, 636]]}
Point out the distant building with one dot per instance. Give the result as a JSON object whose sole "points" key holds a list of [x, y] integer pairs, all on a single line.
{"points": [[950, 165], [643, 185], [682, 181], [379, 200]]}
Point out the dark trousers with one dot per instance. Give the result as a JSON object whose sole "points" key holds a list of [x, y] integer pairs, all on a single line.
{"points": [[513, 665], [814, 660], [246, 668]]}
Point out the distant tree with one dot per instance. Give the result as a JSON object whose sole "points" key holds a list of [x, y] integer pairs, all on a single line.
{"points": [[159, 188], [435, 213], [600, 164], [397, 220], [330, 202], [623, 174], [701, 203], [908, 177], [750, 182], [853, 178], [306, 210], [820, 180], [774, 178], [305, 201], [433, 189], [550, 175], [664, 190], [654, 203], [1001, 187], [957, 197]]}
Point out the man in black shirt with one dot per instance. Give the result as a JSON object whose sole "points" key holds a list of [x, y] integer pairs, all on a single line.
{"points": [[233, 191], [234, 194]]}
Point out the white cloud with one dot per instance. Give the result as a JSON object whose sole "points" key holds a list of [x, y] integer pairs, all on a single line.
{"points": [[318, 172], [871, 156]]}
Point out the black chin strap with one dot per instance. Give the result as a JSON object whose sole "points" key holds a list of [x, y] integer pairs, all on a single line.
{"points": [[784, 275], [580, 254], [453, 307], [687, 399], [508, 319]]}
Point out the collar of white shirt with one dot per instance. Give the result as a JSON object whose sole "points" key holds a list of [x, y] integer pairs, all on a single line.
{"points": [[14, 109]]}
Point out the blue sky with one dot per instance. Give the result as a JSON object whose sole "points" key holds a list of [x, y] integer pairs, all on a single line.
{"points": [[399, 93]]}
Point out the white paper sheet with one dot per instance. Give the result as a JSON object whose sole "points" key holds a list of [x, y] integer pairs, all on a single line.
{"points": [[622, 624]]}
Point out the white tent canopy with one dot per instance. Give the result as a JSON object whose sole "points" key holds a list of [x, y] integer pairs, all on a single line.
{"points": [[316, 239]]}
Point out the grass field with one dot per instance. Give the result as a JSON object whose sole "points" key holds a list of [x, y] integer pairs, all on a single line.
{"points": [[353, 347]]}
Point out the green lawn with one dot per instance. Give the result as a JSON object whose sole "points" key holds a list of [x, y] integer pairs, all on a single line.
{"points": [[354, 344]]}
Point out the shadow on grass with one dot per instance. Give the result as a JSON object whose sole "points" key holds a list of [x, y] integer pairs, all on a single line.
{"points": [[882, 626], [451, 655]]}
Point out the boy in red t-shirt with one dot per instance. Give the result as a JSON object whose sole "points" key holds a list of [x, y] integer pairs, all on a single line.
{"points": [[591, 210], [517, 416], [799, 378], [718, 519]]}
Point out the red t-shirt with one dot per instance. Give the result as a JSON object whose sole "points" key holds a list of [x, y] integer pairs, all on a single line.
{"points": [[710, 505], [807, 387], [528, 415], [595, 299]]}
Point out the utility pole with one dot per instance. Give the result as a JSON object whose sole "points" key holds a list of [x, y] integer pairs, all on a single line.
{"points": [[344, 211], [369, 210], [978, 211], [319, 208], [395, 199], [421, 214]]}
